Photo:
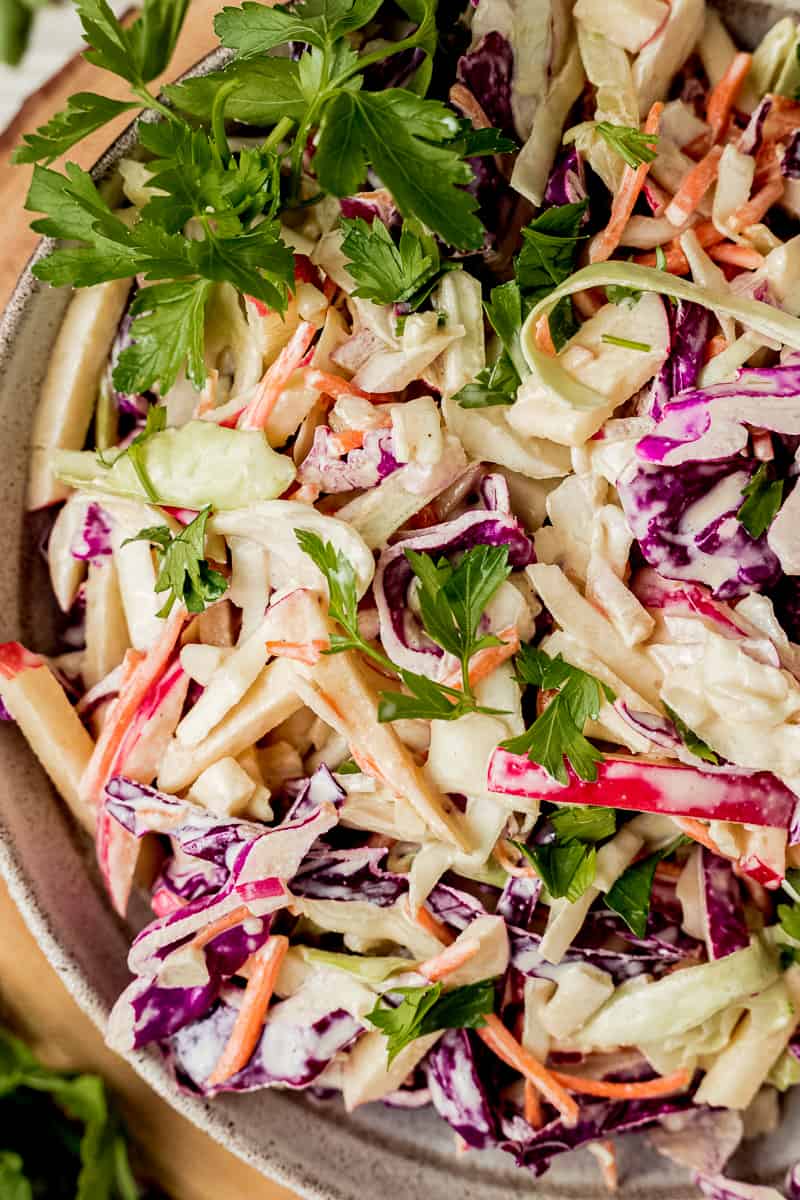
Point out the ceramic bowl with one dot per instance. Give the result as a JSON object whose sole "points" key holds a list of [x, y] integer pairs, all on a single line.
{"points": [[316, 1149]]}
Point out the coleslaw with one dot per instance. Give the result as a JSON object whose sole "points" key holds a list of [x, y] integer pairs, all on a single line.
{"points": [[431, 624]]}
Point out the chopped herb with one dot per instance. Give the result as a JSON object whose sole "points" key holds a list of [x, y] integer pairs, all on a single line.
{"points": [[632, 145], [348, 767], [389, 272], [690, 739], [618, 293], [492, 386], [630, 895], [763, 498], [625, 343], [184, 571], [155, 422], [566, 869], [557, 735], [587, 823], [426, 1010]]}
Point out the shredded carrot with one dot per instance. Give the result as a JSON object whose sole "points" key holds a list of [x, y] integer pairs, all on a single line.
{"points": [[677, 263], [715, 346], [265, 965], [448, 961], [758, 205], [589, 302], [144, 671], [533, 1106], [736, 256], [304, 652], [508, 864], [495, 1035], [665, 1085], [633, 179], [235, 917], [693, 187], [669, 871], [698, 832], [487, 660], [334, 385], [346, 440], [542, 336], [783, 118], [429, 923], [276, 377], [725, 94], [606, 1155]]}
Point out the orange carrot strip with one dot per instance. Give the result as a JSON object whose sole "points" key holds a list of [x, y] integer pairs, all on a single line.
{"points": [[663, 1086], [533, 1106], [334, 385], [698, 832], [633, 179], [346, 440], [507, 863], [304, 652], [715, 346], [147, 669], [671, 871], [265, 965], [736, 256], [725, 94], [487, 660], [606, 1155], [220, 926], [675, 261], [542, 336], [448, 961], [758, 205], [429, 923], [495, 1035], [693, 187], [276, 377]]}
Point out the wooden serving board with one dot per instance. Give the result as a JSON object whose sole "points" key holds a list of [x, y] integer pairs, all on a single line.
{"points": [[183, 1160]]}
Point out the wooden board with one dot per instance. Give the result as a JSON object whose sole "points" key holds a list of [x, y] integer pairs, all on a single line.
{"points": [[185, 1162]]}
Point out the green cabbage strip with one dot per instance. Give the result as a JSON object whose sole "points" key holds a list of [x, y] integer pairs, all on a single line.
{"points": [[770, 322]]}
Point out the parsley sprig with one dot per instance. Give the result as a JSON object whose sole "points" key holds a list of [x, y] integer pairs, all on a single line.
{"points": [[557, 735], [630, 895], [547, 258], [389, 272], [691, 740], [567, 864], [454, 599], [762, 499], [426, 1010], [184, 571]]}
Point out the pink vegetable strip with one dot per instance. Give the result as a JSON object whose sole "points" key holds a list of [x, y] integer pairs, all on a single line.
{"points": [[646, 786]]}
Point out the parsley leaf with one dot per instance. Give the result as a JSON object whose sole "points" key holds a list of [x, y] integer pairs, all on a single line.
{"points": [[184, 571], [397, 133], [390, 273], [426, 1010], [789, 917], [630, 894], [267, 90], [84, 113], [690, 739], [632, 145], [762, 501], [566, 869], [429, 700], [504, 310], [492, 386], [587, 823], [452, 600], [138, 52], [475, 143], [167, 333], [557, 734], [256, 28], [547, 258], [618, 293]]}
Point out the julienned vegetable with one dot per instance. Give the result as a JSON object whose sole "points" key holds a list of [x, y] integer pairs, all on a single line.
{"points": [[428, 607]]}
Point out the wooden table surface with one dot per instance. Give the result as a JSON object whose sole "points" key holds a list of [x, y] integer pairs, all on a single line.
{"points": [[183, 1160]]}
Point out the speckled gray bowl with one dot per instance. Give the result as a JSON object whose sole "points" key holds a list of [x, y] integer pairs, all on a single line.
{"points": [[317, 1150]]}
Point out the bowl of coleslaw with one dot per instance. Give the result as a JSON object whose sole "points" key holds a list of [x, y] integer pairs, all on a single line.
{"points": [[400, 680]]}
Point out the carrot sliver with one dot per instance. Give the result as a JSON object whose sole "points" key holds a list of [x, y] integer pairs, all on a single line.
{"points": [[334, 385], [346, 440], [448, 961], [693, 187], [429, 923], [495, 1035], [725, 94], [606, 1155], [715, 346], [235, 917], [487, 660], [737, 256], [277, 376], [758, 205], [265, 965], [665, 1085], [698, 832], [633, 179], [533, 1106], [304, 652], [543, 337]]}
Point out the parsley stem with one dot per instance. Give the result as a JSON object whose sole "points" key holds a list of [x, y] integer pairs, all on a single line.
{"points": [[278, 134], [366, 60], [150, 101], [219, 136]]}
